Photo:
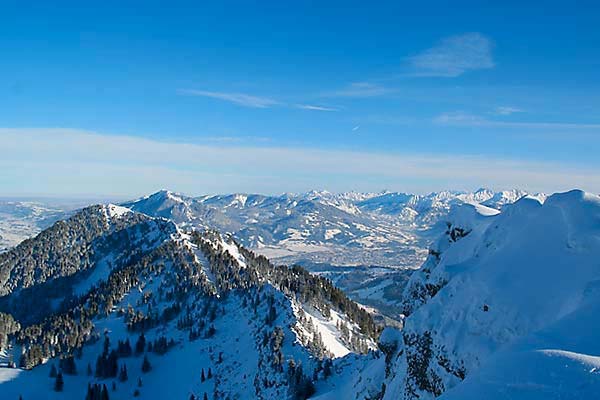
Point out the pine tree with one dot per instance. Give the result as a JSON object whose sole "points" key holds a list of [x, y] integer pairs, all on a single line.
{"points": [[202, 377], [140, 345], [59, 383], [146, 366], [209, 373], [53, 371], [67, 365], [123, 373], [205, 397], [106, 346]]}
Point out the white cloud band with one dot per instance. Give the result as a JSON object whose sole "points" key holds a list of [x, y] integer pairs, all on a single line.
{"points": [[72, 162]]}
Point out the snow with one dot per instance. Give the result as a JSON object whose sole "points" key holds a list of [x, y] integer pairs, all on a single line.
{"points": [[517, 306], [531, 266], [326, 327], [117, 211], [234, 251], [330, 233]]}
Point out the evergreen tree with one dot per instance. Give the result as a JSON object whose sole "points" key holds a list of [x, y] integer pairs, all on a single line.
{"points": [[202, 377], [53, 371], [106, 345], [209, 375], [140, 345], [59, 383], [123, 373], [205, 397], [67, 365], [146, 366]]}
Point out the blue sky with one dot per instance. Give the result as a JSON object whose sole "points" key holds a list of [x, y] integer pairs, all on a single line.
{"points": [[347, 96]]}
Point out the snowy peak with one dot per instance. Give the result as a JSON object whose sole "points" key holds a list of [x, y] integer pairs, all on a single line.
{"points": [[386, 229], [79, 243], [164, 204]]}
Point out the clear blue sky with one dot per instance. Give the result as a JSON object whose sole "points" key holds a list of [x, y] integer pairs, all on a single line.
{"points": [[347, 96]]}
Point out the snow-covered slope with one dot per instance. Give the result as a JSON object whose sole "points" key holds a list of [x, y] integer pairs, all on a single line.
{"points": [[505, 307], [106, 277]]}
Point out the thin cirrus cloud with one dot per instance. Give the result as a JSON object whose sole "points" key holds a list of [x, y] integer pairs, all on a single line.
{"points": [[42, 161], [247, 100], [315, 107], [507, 110], [453, 56], [241, 99], [360, 89], [461, 118]]}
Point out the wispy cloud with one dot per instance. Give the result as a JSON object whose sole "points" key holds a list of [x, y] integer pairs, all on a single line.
{"points": [[507, 110], [315, 108], [453, 56], [460, 118], [360, 89], [42, 161], [241, 99]]}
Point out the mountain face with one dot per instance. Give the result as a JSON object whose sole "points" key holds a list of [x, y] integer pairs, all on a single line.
{"points": [[89, 244], [373, 229], [363, 242], [505, 307], [115, 303]]}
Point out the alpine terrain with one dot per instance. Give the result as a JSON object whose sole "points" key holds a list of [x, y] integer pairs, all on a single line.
{"points": [[366, 243], [114, 303], [107, 302]]}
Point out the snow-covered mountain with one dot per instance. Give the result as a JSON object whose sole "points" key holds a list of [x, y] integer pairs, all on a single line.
{"points": [[361, 241], [505, 307], [117, 303], [384, 229]]}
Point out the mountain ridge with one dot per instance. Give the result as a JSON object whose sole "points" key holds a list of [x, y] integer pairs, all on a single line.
{"points": [[183, 292]]}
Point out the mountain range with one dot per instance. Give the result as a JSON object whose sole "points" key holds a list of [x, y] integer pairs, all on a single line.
{"points": [[503, 307], [366, 243], [122, 304]]}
